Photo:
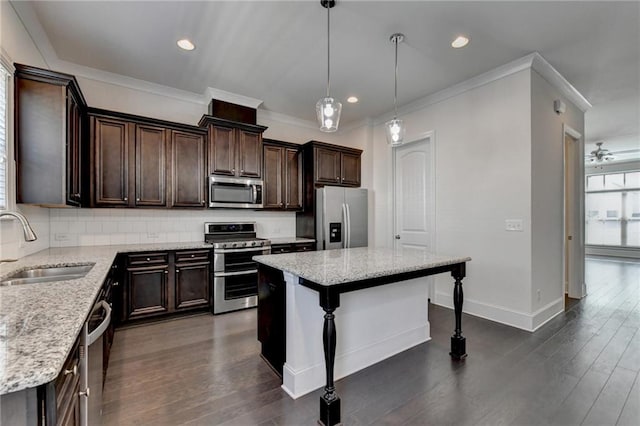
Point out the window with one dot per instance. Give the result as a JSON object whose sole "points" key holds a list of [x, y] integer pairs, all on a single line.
{"points": [[6, 159], [613, 209]]}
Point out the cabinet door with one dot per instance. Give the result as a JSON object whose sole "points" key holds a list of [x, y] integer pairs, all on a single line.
{"points": [[327, 166], [147, 291], [222, 155], [74, 159], [273, 174], [192, 286], [111, 145], [249, 154], [292, 179], [350, 169], [187, 170], [151, 166]]}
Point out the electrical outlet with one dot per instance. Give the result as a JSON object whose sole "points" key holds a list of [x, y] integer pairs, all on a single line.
{"points": [[514, 225], [61, 237], [538, 293]]}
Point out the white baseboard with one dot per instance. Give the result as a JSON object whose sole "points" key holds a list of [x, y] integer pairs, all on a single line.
{"points": [[299, 383], [521, 320]]}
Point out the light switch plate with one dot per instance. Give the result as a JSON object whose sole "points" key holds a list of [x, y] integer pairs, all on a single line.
{"points": [[514, 225], [61, 237]]}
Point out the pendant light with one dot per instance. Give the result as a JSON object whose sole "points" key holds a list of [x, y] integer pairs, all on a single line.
{"points": [[395, 128], [328, 109]]}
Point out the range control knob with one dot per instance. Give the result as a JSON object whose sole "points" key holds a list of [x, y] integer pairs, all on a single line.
{"points": [[234, 244]]}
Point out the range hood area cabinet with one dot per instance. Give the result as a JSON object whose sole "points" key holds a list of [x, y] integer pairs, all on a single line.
{"points": [[324, 164], [141, 162], [282, 175], [51, 150], [235, 149]]}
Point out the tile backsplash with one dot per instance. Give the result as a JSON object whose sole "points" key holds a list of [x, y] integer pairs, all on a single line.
{"points": [[89, 227]]}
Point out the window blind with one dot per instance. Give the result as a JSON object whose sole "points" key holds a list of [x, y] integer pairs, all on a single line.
{"points": [[4, 159]]}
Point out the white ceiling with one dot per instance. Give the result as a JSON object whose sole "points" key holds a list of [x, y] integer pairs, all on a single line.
{"points": [[276, 51]]}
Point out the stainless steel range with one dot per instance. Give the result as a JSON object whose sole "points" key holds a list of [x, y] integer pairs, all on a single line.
{"points": [[235, 275]]}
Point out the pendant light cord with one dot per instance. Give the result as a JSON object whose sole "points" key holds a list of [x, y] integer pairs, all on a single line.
{"points": [[328, 49], [395, 91]]}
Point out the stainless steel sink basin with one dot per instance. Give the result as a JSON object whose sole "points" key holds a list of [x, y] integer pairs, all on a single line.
{"points": [[43, 275]]}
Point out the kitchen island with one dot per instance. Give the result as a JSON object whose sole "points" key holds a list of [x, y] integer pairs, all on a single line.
{"points": [[382, 294]]}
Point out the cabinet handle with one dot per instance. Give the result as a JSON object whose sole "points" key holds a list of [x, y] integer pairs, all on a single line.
{"points": [[86, 393], [233, 170], [177, 271], [193, 255], [166, 272], [115, 284], [126, 199], [73, 371], [337, 178], [203, 201], [76, 195], [138, 199], [148, 259]]}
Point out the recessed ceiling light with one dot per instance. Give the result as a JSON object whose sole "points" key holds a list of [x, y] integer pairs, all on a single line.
{"points": [[186, 44], [352, 99], [460, 41]]}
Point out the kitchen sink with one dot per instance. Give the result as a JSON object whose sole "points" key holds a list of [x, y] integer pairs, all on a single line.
{"points": [[47, 274]]}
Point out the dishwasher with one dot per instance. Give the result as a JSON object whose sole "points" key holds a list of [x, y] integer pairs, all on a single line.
{"points": [[91, 359]]}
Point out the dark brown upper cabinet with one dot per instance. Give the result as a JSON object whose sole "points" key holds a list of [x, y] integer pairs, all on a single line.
{"points": [[337, 166], [235, 149], [51, 150], [187, 169], [141, 162], [110, 161], [282, 176], [151, 166]]}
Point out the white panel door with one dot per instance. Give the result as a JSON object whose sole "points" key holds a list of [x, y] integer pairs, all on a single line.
{"points": [[413, 209]]}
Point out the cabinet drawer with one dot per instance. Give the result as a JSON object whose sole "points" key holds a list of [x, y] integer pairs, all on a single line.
{"points": [[192, 256], [304, 247], [281, 248], [143, 259]]}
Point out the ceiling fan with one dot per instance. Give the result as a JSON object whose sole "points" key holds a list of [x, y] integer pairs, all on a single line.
{"points": [[600, 154]]}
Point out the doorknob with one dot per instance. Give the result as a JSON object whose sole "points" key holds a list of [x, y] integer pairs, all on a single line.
{"points": [[397, 237]]}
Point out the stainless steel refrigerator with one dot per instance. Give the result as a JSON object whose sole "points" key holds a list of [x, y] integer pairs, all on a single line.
{"points": [[341, 217]]}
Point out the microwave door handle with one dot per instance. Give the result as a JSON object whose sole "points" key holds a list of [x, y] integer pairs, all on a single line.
{"points": [[254, 189]]}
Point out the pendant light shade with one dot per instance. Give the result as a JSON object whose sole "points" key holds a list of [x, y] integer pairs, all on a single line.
{"points": [[395, 128], [328, 109]]}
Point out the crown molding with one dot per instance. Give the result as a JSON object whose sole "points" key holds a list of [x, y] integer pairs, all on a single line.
{"points": [[286, 119], [532, 61], [234, 98], [553, 77]]}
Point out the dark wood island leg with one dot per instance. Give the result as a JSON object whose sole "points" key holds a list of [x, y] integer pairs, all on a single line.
{"points": [[458, 342], [329, 402]]}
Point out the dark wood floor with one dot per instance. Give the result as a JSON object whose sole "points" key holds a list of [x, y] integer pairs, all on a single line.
{"points": [[580, 368]]}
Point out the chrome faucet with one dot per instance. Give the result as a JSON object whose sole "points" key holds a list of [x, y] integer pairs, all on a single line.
{"points": [[29, 235]]}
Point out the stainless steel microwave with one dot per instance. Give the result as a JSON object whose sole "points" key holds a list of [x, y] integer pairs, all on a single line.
{"points": [[236, 193]]}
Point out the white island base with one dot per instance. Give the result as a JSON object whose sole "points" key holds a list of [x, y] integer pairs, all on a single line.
{"points": [[372, 324]]}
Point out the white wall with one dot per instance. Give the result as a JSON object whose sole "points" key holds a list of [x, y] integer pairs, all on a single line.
{"points": [[547, 202], [482, 149], [17, 46]]}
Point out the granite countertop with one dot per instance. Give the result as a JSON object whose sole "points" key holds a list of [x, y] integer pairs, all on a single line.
{"points": [[40, 322], [290, 240], [331, 267]]}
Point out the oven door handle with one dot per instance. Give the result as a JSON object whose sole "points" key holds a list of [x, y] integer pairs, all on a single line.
{"points": [[231, 274], [220, 251]]}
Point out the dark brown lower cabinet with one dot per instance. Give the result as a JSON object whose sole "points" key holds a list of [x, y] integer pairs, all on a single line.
{"points": [[192, 285], [61, 397], [292, 247], [148, 291], [164, 283]]}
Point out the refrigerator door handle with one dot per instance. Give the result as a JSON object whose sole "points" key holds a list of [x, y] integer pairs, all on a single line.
{"points": [[345, 223], [348, 226]]}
